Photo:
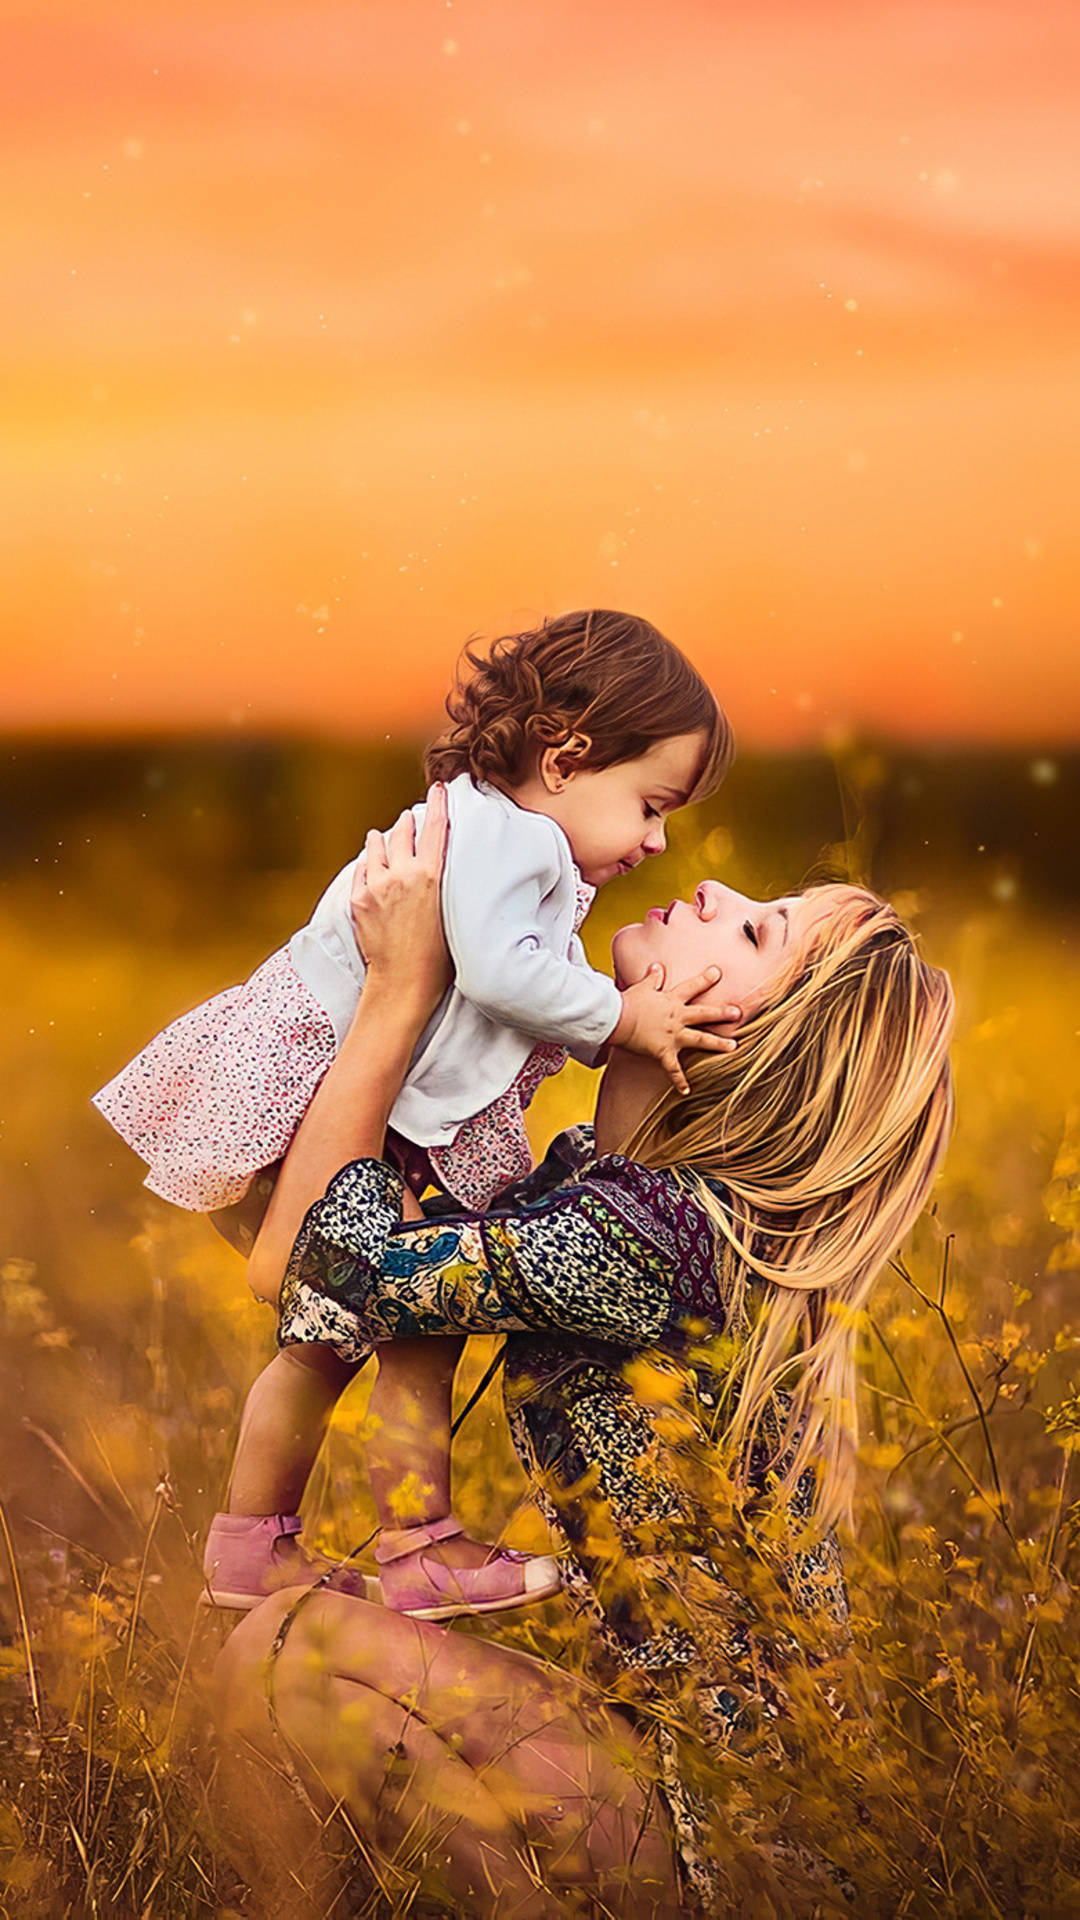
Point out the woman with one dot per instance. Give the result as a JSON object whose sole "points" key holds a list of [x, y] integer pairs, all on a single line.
{"points": [[655, 1280]]}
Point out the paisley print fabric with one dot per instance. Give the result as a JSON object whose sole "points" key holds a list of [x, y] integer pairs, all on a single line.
{"points": [[618, 1250], [602, 1274], [674, 1594]]}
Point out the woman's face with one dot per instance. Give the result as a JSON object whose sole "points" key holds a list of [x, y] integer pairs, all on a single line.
{"points": [[749, 940]]}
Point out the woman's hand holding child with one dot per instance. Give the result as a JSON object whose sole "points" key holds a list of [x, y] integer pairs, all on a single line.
{"points": [[396, 916]]}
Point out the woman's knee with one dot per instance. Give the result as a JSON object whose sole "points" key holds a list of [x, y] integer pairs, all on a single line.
{"points": [[343, 1675], [259, 1663], [240, 1698], [274, 1829], [263, 1675]]}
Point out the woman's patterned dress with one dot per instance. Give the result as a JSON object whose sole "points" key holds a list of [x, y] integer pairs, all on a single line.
{"points": [[602, 1275]]}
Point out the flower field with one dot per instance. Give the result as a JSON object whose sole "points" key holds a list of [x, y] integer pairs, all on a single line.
{"points": [[140, 881]]}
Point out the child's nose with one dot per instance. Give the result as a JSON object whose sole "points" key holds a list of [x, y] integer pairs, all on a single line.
{"points": [[656, 839]]}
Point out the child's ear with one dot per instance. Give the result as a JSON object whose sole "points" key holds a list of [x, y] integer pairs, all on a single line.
{"points": [[557, 765]]}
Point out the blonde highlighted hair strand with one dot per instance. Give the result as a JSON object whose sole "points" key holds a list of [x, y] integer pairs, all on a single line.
{"points": [[824, 1131]]}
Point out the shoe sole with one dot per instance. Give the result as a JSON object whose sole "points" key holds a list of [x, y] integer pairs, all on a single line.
{"points": [[462, 1609], [216, 1601]]}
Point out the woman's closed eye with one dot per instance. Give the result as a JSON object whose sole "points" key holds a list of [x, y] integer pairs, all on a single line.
{"points": [[751, 933]]}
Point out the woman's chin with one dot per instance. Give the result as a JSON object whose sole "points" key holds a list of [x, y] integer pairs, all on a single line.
{"points": [[628, 962]]}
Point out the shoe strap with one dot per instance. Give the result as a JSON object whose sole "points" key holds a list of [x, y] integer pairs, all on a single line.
{"points": [[285, 1527], [406, 1540]]}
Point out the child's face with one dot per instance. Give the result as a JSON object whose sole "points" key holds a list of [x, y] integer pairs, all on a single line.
{"points": [[614, 817]]}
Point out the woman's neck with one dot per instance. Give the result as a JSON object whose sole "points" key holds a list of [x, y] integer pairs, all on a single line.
{"points": [[631, 1084]]}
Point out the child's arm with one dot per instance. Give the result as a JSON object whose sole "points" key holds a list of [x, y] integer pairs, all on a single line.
{"points": [[499, 879], [496, 883]]}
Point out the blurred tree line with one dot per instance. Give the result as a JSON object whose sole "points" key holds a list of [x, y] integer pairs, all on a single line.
{"points": [[156, 829]]}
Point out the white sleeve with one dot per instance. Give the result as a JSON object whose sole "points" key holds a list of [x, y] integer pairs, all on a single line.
{"points": [[587, 1050], [494, 885]]}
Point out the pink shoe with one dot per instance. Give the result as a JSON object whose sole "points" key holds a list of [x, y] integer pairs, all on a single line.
{"points": [[426, 1590], [249, 1555]]}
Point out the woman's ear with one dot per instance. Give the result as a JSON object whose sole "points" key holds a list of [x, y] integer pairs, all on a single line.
{"points": [[558, 764]]}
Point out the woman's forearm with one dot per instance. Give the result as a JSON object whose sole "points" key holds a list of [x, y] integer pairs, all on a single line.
{"points": [[346, 1121], [582, 1261]]}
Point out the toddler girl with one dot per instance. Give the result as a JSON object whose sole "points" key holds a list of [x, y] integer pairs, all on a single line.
{"points": [[569, 745]]}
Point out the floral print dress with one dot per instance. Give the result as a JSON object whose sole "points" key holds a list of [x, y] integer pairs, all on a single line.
{"points": [[603, 1276]]}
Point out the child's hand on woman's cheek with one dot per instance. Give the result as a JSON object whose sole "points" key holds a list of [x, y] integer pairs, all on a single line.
{"points": [[660, 1020]]}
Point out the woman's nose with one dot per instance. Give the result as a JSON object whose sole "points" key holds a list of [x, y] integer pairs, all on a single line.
{"points": [[656, 839], [712, 895], [717, 895]]}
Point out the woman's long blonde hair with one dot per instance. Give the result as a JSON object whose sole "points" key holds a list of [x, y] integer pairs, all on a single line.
{"points": [[825, 1129]]}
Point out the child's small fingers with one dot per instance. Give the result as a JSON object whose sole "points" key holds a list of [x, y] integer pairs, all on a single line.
{"points": [[709, 1042], [706, 1015], [700, 983], [673, 1067]]}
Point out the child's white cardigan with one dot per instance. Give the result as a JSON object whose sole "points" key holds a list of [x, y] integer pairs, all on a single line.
{"points": [[509, 894]]}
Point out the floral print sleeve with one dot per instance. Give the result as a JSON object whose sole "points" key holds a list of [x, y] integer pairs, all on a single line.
{"points": [[620, 1253]]}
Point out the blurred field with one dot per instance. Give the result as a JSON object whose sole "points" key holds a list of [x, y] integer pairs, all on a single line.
{"points": [[136, 881]]}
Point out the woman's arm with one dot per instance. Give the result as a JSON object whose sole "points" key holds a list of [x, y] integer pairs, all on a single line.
{"points": [[399, 926], [621, 1254]]}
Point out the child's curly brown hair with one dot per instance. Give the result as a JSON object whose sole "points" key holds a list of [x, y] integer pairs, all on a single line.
{"points": [[607, 684]]}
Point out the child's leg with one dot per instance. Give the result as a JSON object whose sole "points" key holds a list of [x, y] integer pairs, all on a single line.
{"points": [[284, 1420], [256, 1546], [408, 1440]]}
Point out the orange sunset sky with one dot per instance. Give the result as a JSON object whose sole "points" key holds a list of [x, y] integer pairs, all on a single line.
{"points": [[333, 332]]}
